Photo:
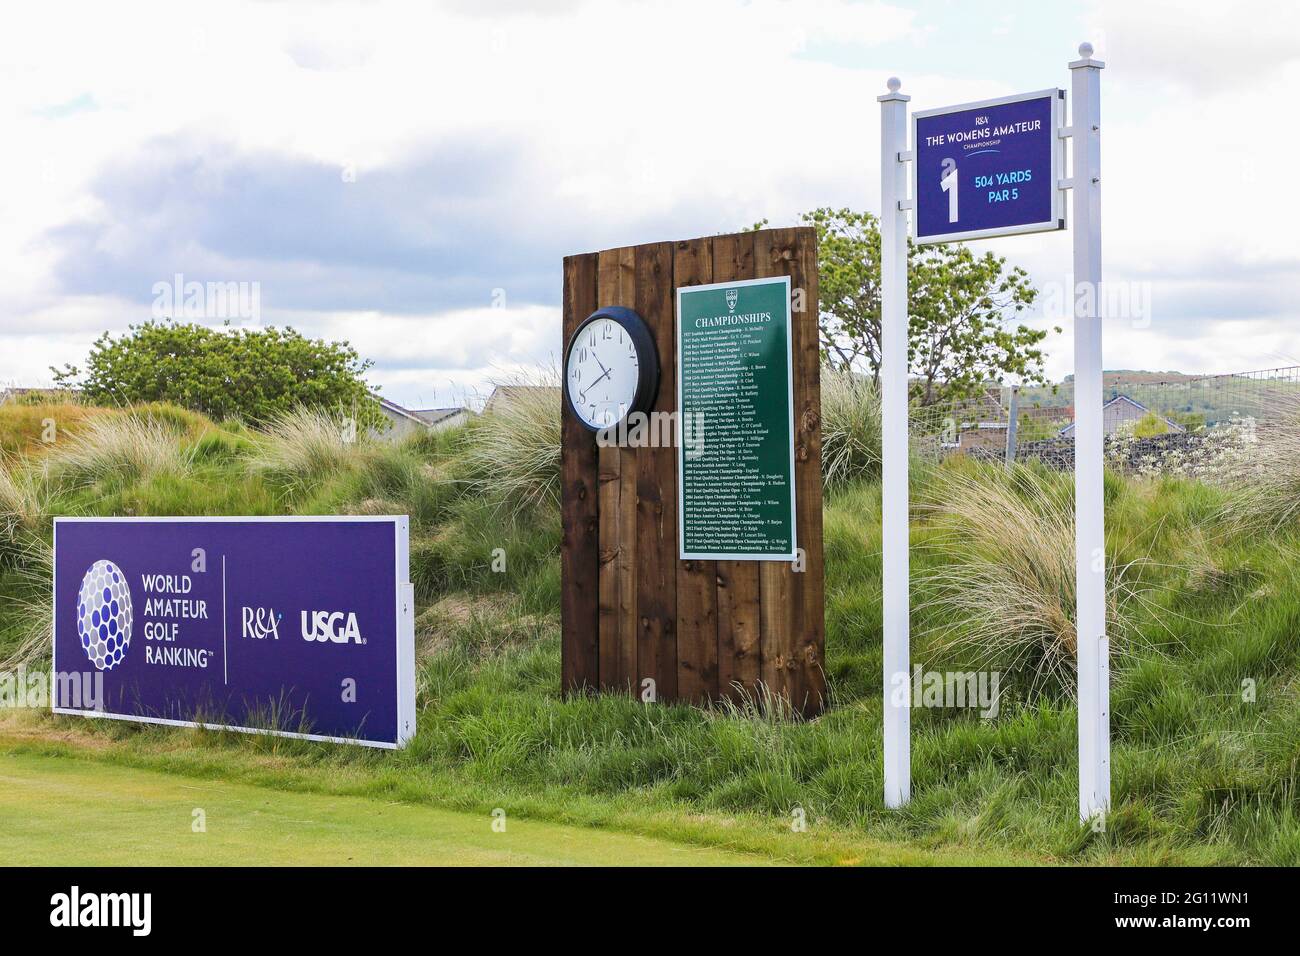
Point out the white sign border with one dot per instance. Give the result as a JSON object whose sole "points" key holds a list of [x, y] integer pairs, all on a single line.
{"points": [[1056, 224], [406, 717], [682, 554]]}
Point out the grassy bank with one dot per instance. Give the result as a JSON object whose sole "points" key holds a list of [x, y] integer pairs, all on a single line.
{"points": [[1205, 698]]}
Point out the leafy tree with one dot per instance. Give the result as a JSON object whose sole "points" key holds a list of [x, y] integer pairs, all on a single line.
{"points": [[253, 375], [960, 310]]}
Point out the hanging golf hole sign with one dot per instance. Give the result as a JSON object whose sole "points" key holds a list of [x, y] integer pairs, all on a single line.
{"points": [[996, 168]]}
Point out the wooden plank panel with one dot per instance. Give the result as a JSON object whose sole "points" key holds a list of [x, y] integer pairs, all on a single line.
{"points": [[697, 621], [696, 628], [656, 514], [617, 479], [774, 255], [810, 603], [739, 623], [609, 465], [579, 514]]}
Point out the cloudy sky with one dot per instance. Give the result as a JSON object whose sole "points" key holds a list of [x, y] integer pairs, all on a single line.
{"points": [[408, 176]]}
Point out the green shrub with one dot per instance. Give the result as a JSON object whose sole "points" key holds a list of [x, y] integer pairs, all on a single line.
{"points": [[257, 375]]}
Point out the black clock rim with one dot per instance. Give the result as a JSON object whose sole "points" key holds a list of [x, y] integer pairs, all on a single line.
{"points": [[647, 383]]}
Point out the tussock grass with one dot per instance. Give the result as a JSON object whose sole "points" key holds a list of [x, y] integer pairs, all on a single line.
{"points": [[1005, 595], [303, 448], [22, 501], [1266, 477], [29, 606], [850, 427], [513, 450], [123, 448]]}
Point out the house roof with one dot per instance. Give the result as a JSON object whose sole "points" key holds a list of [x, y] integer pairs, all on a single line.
{"points": [[1124, 399], [422, 416], [432, 416], [512, 392]]}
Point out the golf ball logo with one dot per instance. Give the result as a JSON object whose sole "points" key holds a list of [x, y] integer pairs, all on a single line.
{"points": [[104, 615]]}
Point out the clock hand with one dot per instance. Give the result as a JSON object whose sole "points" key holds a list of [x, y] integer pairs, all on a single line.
{"points": [[583, 393]]}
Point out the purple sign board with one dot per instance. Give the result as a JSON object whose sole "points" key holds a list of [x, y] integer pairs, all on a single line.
{"points": [[296, 626], [988, 169]]}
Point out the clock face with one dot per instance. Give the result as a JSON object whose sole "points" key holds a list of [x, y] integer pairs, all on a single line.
{"points": [[602, 373]]}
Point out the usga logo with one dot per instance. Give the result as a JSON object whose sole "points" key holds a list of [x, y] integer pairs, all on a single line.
{"points": [[335, 626], [261, 623]]}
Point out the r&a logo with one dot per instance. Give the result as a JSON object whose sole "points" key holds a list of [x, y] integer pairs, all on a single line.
{"points": [[261, 623]]}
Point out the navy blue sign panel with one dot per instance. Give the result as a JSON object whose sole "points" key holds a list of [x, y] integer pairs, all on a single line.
{"points": [[296, 626], [987, 169]]}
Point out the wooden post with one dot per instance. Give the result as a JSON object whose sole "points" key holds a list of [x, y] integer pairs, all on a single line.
{"points": [[579, 512]]}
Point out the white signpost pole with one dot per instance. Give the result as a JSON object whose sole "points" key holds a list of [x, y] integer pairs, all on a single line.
{"points": [[893, 378], [1090, 541]]}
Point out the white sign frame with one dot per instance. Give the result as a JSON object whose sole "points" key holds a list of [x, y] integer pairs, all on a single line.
{"points": [[1056, 224], [1093, 645]]}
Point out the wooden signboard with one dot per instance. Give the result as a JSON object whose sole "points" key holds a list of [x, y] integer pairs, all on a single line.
{"points": [[637, 618]]}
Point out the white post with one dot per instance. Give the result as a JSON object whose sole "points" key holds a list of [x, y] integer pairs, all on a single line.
{"points": [[1090, 540], [1013, 423], [893, 379]]}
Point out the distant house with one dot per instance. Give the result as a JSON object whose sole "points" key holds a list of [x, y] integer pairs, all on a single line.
{"points": [[1120, 411], [504, 395], [407, 421]]}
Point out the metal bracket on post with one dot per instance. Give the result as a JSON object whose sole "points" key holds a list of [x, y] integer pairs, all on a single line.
{"points": [[1092, 646], [893, 379]]}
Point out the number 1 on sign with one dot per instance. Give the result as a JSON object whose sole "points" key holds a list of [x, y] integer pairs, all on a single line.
{"points": [[948, 183]]}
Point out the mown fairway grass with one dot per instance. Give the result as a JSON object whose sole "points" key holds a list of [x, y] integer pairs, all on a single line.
{"points": [[1202, 772], [125, 815]]}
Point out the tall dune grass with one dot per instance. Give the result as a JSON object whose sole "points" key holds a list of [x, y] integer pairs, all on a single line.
{"points": [[127, 447], [1005, 593], [31, 605], [513, 450], [850, 427], [306, 446], [1265, 480], [22, 503]]}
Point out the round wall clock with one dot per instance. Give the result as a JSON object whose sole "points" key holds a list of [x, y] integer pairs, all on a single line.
{"points": [[611, 368]]}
